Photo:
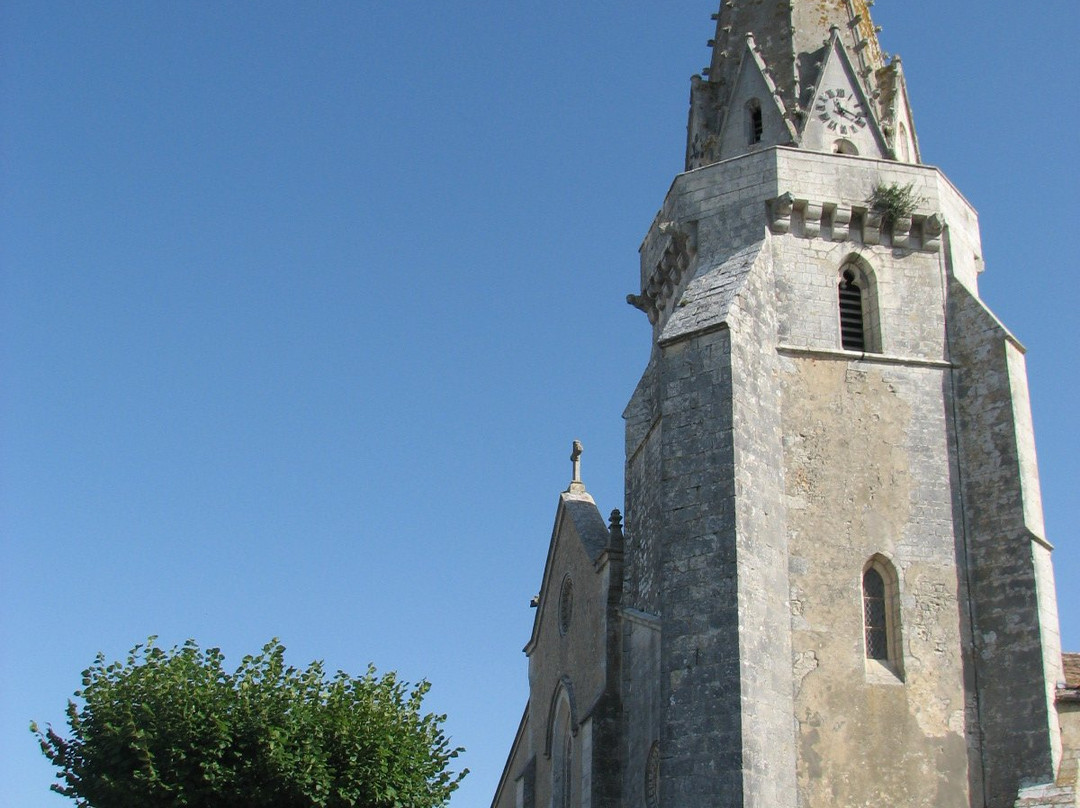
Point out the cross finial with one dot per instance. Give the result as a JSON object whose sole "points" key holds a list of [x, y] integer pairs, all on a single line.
{"points": [[576, 486]]}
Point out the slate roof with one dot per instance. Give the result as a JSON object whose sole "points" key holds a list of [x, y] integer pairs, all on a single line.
{"points": [[1071, 665], [590, 525], [707, 300]]}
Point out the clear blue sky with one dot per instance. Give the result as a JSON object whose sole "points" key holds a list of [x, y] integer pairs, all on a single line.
{"points": [[303, 304]]}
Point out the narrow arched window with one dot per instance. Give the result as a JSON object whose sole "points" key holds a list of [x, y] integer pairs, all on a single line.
{"points": [[852, 332], [560, 748], [881, 619], [755, 123], [562, 783], [875, 620]]}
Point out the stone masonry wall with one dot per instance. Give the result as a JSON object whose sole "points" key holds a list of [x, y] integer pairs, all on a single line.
{"points": [[866, 464], [1000, 549], [641, 589], [701, 739], [867, 471], [641, 701], [769, 752]]}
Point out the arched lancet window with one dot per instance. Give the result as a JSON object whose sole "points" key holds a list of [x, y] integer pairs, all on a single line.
{"points": [[881, 614], [562, 766], [755, 123], [560, 746], [858, 309], [874, 621], [852, 330]]}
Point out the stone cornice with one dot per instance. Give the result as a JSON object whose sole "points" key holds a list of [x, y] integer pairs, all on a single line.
{"points": [[842, 221], [650, 621], [861, 356], [669, 270]]}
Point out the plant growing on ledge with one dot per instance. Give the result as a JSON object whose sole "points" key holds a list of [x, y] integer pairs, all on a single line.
{"points": [[894, 202]]}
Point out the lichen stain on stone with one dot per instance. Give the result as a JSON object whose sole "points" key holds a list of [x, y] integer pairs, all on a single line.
{"points": [[933, 715], [809, 741], [844, 449], [931, 599], [805, 664], [851, 432]]}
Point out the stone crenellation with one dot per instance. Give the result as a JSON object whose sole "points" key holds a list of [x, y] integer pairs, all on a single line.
{"points": [[838, 221]]}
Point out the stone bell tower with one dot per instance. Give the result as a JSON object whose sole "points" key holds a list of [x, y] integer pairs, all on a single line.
{"points": [[831, 587], [838, 582]]}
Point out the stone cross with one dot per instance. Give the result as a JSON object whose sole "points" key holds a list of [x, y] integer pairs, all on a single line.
{"points": [[575, 457]]}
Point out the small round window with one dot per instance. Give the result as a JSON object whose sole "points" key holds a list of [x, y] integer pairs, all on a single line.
{"points": [[566, 604]]}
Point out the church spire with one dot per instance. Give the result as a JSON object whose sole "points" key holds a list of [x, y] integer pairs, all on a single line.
{"points": [[779, 54], [788, 32]]}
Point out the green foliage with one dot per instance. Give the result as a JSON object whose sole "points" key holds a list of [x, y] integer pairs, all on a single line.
{"points": [[173, 728], [894, 202]]}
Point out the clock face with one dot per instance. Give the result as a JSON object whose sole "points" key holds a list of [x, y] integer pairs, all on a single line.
{"points": [[840, 111]]}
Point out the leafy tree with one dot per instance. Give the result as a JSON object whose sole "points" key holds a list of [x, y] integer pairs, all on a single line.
{"points": [[173, 728]]}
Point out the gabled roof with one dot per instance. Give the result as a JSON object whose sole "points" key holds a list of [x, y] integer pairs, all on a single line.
{"points": [[1070, 664], [751, 60], [577, 511], [838, 58], [519, 737]]}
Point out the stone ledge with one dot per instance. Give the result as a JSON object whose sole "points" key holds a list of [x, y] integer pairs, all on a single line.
{"points": [[859, 356], [650, 621]]}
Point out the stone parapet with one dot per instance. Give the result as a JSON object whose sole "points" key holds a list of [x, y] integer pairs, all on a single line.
{"points": [[840, 221]]}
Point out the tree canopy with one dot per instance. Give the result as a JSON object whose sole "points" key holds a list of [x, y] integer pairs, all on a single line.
{"points": [[174, 728]]}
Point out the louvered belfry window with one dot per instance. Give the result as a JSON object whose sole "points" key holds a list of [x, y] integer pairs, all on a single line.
{"points": [[874, 617], [852, 334]]}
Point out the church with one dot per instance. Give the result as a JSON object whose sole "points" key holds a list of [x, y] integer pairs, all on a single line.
{"points": [[830, 586]]}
